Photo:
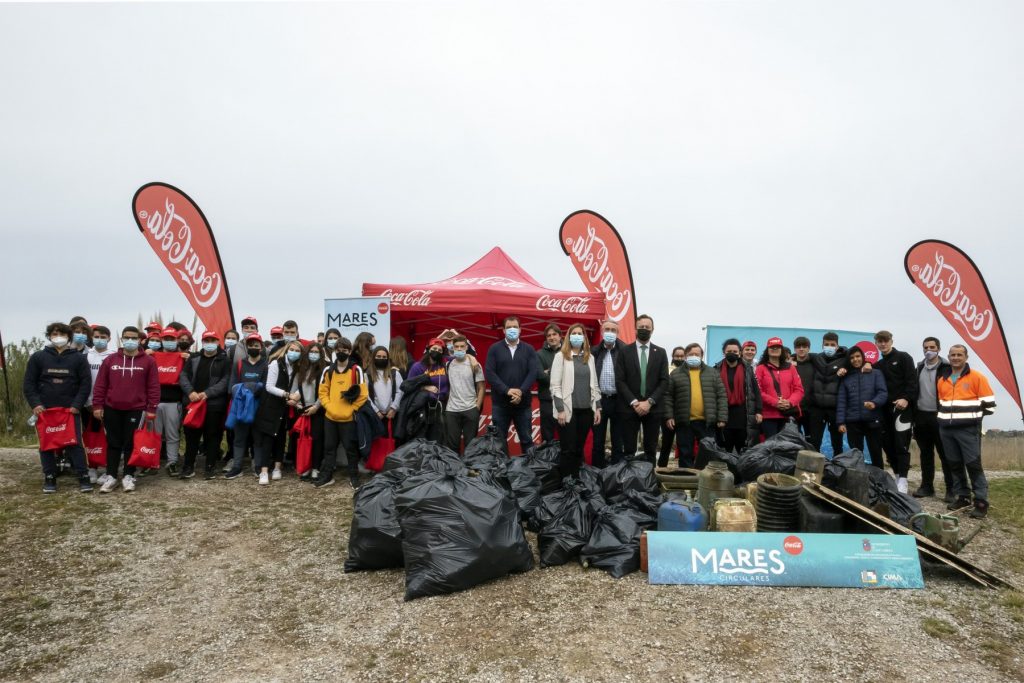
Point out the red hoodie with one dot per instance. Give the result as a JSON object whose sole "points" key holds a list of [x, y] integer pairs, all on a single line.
{"points": [[127, 383]]}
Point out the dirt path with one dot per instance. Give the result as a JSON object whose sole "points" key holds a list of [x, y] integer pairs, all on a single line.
{"points": [[227, 581]]}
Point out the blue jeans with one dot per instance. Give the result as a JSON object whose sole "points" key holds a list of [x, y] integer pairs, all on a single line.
{"points": [[505, 414], [242, 432]]}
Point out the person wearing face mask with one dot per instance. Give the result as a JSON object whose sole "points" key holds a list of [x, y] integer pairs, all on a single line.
{"points": [[641, 378], [81, 336], [205, 378], [695, 404], [185, 343], [275, 414], [668, 435], [95, 356], [511, 370], [436, 387], [859, 406], [780, 386], [127, 389], [58, 377], [331, 338], [252, 372], [611, 419], [169, 363], [286, 333], [310, 369], [343, 391], [926, 423], [466, 398], [742, 398], [249, 327], [825, 389], [576, 397], [901, 381], [546, 356], [385, 386]]}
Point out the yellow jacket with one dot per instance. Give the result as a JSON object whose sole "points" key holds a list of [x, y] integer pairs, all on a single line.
{"points": [[334, 386]]}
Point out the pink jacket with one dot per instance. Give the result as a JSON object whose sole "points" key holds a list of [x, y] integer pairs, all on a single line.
{"points": [[789, 382]]}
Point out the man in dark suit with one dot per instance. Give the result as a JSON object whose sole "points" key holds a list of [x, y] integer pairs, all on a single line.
{"points": [[641, 376], [511, 369]]}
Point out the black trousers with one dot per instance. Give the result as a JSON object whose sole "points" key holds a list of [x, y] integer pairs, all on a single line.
{"points": [[820, 418], [732, 440], [341, 446], [610, 418], [270, 447], [505, 414], [926, 433], [631, 426], [48, 459], [871, 432], [461, 428], [687, 434], [120, 426], [573, 436], [316, 428], [895, 444], [772, 426], [210, 434], [668, 439], [548, 421]]}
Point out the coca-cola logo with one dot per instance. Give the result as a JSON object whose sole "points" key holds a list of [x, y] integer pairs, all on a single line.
{"points": [[591, 255], [569, 304], [56, 429], [167, 369], [414, 297], [147, 451], [944, 284], [171, 232], [489, 281], [793, 545], [94, 450]]}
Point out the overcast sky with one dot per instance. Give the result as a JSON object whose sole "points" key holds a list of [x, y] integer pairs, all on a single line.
{"points": [[767, 163]]}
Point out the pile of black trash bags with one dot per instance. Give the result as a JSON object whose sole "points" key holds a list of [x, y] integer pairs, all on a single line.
{"points": [[454, 523]]}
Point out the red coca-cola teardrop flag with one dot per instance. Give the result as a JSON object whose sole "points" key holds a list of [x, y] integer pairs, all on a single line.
{"points": [[597, 252], [182, 238], [951, 281]]}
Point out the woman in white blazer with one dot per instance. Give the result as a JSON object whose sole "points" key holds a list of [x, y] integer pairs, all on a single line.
{"points": [[576, 397]]}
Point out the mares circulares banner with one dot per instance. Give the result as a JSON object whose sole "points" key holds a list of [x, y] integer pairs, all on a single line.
{"points": [[597, 252], [951, 281], [360, 314], [183, 241]]}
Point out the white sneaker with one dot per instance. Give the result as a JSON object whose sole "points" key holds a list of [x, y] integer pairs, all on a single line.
{"points": [[316, 474], [901, 484], [92, 475], [276, 474], [128, 483], [264, 479], [107, 483]]}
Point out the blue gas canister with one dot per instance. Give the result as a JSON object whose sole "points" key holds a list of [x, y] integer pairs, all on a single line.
{"points": [[682, 515]]}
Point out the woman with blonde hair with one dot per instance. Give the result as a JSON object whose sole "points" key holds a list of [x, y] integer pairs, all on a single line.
{"points": [[576, 397], [273, 417], [398, 352]]}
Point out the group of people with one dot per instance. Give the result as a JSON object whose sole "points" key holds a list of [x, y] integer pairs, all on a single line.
{"points": [[353, 391]]}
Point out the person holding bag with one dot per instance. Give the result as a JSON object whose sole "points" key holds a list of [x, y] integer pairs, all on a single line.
{"points": [[204, 380], [59, 377], [576, 397], [310, 369], [781, 389], [126, 387], [276, 412]]}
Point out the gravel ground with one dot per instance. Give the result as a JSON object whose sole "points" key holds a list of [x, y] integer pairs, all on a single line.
{"points": [[228, 581]]}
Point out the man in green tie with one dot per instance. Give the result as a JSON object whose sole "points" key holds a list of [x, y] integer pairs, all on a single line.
{"points": [[641, 375]]}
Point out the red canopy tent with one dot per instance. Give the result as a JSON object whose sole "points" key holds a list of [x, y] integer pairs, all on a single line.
{"points": [[476, 301]]}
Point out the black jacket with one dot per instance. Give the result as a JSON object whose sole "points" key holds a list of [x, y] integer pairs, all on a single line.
{"points": [[627, 376], [57, 380], [806, 372], [271, 411], [411, 418], [900, 376], [505, 371], [603, 354], [751, 396], [825, 387], [217, 383], [943, 370]]}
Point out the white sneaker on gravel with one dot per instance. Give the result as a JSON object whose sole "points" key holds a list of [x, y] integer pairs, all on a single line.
{"points": [[276, 474], [901, 484], [316, 474], [92, 476], [107, 483], [128, 483], [264, 479]]}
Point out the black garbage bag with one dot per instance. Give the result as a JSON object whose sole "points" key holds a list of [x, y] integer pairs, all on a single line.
{"points": [[525, 486], [490, 442], [549, 507], [458, 530], [646, 503], [561, 538], [375, 539], [629, 474], [643, 518], [614, 543], [710, 450], [777, 454], [543, 460], [883, 491], [834, 468], [419, 454], [590, 477]]}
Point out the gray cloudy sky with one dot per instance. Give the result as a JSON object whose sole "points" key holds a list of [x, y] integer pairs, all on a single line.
{"points": [[766, 162]]}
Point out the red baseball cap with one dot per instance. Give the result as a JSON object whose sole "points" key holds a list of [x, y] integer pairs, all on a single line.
{"points": [[169, 332], [276, 330], [153, 335], [774, 341], [249, 319], [749, 343], [154, 325], [254, 337], [210, 334], [436, 340], [185, 333]]}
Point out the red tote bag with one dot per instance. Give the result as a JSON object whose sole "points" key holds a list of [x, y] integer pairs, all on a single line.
{"points": [[146, 447], [168, 366], [380, 449], [94, 439], [304, 446], [195, 415], [56, 429]]}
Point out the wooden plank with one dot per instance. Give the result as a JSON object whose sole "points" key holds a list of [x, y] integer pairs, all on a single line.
{"points": [[924, 545]]}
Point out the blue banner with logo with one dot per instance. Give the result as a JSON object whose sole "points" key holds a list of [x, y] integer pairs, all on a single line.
{"points": [[717, 334], [798, 559]]}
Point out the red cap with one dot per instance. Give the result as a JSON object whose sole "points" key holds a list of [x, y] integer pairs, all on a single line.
{"points": [[169, 332], [153, 335], [210, 334], [249, 319], [184, 333], [154, 325], [774, 341], [254, 337], [749, 343], [436, 341], [276, 330]]}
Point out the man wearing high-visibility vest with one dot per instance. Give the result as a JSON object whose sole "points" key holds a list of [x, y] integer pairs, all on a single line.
{"points": [[965, 397]]}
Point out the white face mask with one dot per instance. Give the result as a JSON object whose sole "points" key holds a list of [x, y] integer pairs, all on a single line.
{"points": [[59, 342]]}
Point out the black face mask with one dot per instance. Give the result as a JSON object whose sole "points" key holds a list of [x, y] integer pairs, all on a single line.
{"points": [[380, 362], [184, 345], [254, 352], [341, 356], [435, 356], [643, 335], [732, 357], [678, 361]]}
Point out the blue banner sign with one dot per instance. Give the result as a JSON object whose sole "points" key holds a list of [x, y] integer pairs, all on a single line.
{"points": [[717, 334], [797, 559]]}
